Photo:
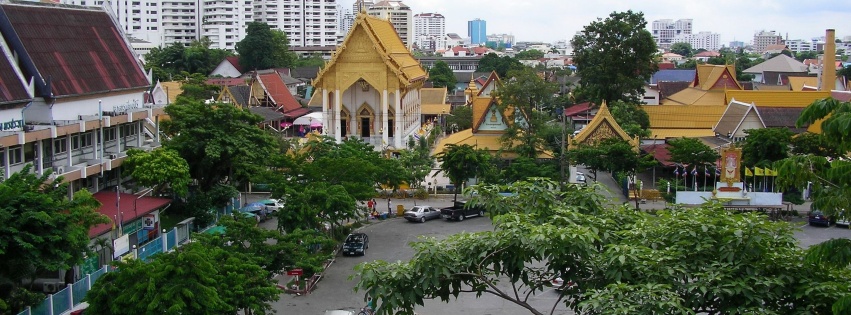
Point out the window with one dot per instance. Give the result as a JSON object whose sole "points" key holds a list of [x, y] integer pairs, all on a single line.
{"points": [[15, 155], [86, 140], [109, 134], [75, 142], [60, 145]]}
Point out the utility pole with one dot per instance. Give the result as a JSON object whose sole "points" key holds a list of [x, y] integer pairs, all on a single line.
{"points": [[563, 143]]}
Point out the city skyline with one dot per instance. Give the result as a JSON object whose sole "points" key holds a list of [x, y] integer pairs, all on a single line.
{"points": [[733, 20]]}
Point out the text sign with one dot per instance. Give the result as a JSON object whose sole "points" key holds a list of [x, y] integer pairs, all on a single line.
{"points": [[295, 272]]}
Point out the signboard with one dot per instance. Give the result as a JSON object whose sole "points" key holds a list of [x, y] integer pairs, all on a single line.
{"points": [[12, 124], [149, 222], [121, 246], [90, 265], [295, 272]]}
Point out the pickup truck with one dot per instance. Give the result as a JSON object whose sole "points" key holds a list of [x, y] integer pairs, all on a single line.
{"points": [[460, 211]]}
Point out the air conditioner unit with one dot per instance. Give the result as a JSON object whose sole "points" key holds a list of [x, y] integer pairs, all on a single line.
{"points": [[113, 156], [52, 287], [59, 169]]}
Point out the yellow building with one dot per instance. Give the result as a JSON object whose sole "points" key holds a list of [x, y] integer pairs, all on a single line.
{"points": [[370, 89]]}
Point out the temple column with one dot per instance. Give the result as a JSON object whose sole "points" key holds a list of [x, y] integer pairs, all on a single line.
{"points": [[325, 109], [398, 124], [336, 114], [384, 119]]}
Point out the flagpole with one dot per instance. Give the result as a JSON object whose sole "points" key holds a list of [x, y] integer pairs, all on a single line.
{"points": [[705, 172]]}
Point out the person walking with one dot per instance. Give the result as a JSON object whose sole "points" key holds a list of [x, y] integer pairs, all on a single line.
{"points": [[388, 206]]}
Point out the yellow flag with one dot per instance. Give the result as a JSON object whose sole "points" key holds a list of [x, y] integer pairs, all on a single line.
{"points": [[758, 171], [748, 172], [769, 172]]}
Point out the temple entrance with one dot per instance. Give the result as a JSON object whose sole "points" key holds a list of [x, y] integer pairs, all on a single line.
{"points": [[390, 128], [364, 127], [344, 123]]}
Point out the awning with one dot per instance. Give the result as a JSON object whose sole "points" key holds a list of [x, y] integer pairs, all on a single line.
{"points": [[131, 206]]}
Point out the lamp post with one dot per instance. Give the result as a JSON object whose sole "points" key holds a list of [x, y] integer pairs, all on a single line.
{"points": [[570, 101]]}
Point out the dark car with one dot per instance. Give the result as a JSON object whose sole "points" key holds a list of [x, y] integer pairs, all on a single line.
{"points": [[817, 217], [356, 244], [460, 211]]}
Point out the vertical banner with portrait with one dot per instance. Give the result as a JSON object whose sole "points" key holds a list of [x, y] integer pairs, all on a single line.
{"points": [[731, 159]]}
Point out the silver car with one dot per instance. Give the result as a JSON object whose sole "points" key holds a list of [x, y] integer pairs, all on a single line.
{"points": [[422, 213]]}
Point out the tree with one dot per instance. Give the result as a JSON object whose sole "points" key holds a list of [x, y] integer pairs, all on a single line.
{"points": [[692, 152], [845, 72], [501, 65], [233, 149], [527, 97], [632, 118], [814, 143], [765, 145], [690, 64], [615, 57], [530, 54], [803, 55], [461, 118], [168, 62], [42, 231], [522, 168], [462, 162], [704, 260], [314, 60], [264, 48], [683, 49], [159, 169], [441, 76]]}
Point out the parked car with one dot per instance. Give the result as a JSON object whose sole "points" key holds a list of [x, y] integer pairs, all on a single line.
{"points": [[460, 211], [817, 217], [273, 205], [422, 213], [580, 177], [356, 244], [842, 220]]}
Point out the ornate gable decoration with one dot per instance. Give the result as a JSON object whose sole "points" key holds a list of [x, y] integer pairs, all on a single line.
{"points": [[491, 120], [603, 126]]}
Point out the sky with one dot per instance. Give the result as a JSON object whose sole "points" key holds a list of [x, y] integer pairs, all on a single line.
{"points": [[553, 20]]}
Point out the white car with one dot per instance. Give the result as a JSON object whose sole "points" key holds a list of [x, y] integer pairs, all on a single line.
{"points": [[273, 205]]}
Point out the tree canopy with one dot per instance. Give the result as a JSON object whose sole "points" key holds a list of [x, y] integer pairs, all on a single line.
{"points": [[683, 49], [615, 57], [700, 260], [42, 231], [632, 118], [159, 169], [529, 54], [264, 48], [763, 146], [442, 76], [502, 65], [529, 99], [171, 62], [462, 162], [691, 152]]}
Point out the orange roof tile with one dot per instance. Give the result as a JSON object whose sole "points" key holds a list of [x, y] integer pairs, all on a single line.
{"points": [[278, 91], [684, 117]]}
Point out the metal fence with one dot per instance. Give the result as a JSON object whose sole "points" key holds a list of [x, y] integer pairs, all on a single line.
{"points": [[66, 299]]}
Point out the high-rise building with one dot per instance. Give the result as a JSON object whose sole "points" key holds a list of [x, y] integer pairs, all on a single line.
{"points": [[702, 40], [800, 45], [399, 14], [361, 6], [346, 19], [506, 40], [430, 31], [163, 22], [477, 31], [763, 39], [665, 30]]}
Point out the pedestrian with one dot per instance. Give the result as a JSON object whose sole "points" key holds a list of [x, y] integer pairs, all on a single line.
{"points": [[388, 206], [374, 204]]}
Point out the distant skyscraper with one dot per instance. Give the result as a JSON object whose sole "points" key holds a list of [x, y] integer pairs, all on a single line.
{"points": [[477, 31], [664, 31], [399, 15], [763, 39], [430, 31]]}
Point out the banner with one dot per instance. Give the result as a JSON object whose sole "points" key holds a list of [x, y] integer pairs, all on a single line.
{"points": [[748, 172], [758, 171]]}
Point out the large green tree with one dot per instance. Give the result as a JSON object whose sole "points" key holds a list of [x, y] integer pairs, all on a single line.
{"points": [[815, 144], [441, 76], [691, 152], [462, 162], [502, 65], [528, 99], [704, 260], [683, 49], [160, 169], [632, 118], [763, 146], [461, 118], [221, 143], [42, 231], [615, 57], [264, 48], [167, 63], [530, 54]]}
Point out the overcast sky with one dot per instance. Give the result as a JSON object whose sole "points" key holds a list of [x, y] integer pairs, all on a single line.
{"points": [[552, 20]]}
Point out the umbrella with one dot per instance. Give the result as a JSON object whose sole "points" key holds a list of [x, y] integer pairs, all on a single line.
{"points": [[311, 119]]}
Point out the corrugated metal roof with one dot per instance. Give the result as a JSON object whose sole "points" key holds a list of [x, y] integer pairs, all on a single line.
{"points": [[777, 98], [240, 93], [673, 75], [435, 96], [79, 50], [781, 117], [684, 116], [488, 142], [12, 89], [663, 133], [278, 91]]}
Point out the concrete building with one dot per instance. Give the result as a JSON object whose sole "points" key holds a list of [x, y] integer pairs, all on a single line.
{"points": [[163, 22], [361, 6], [664, 31], [430, 31], [399, 14], [800, 45], [506, 40], [346, 18], [763, 39], [477, 31], [702, 40]]}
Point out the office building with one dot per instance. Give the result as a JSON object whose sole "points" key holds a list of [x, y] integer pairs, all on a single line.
{"points": [[430, 31], [477, 32], [361, 6], [665, 30], [702, 40], [306, 23], [399, 14], [763, 39]]}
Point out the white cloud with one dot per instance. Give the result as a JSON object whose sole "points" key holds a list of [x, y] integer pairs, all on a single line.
{"points": [[551, 20]]}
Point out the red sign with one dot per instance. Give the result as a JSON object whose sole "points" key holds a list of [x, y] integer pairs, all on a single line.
{"points": [[295, 272]]}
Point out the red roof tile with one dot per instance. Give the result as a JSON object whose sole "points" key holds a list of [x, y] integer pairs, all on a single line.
{"points": [[131, 209], [278, 91], [79, 50], [12, 89], [234, 60], [660, 153], [578, 108]]}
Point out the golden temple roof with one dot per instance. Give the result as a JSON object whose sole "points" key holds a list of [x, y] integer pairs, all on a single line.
{"points": [[696, 96], [798, 83], [708, 75], [663, 133], [777, 98], [489, 142], [684, 117], [603, 126]]}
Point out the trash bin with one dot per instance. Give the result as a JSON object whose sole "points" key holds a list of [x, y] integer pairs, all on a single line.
{"points": [[400, 210], [383, 216]]}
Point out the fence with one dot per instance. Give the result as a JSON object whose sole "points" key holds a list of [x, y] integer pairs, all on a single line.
{"points": [[66, 299]]}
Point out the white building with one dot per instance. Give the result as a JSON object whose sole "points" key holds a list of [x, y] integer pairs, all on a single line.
{"points": [[399, 14], [702, 40], [430, 31], [507, 40], [800, 45], [345, 20], [163, 22], [763, 39], [361, 5], [665, 30]]}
